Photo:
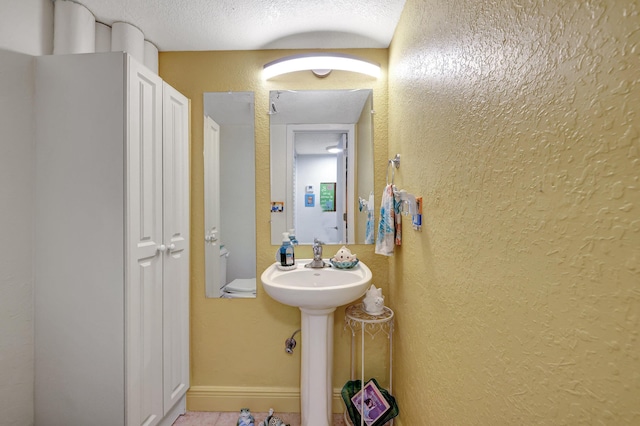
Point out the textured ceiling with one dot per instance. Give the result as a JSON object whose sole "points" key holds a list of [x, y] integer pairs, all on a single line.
{"points": [[179, 25]]}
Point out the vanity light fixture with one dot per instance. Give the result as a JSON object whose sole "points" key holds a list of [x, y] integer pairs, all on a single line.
{"points": [[321, 64]]}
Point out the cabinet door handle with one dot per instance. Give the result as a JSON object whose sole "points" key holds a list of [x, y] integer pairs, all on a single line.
{"points": [[163, 248]]}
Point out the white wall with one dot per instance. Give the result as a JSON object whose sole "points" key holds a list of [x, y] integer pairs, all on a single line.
{"points": [[312, 222], [26, 28], [237, 195], [17, 141]]}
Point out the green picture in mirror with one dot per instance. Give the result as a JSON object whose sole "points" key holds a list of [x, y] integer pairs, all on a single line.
{"points": [[328, 196]]}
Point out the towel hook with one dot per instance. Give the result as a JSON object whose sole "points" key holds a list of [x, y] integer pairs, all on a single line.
{"points": [[395, 164]]}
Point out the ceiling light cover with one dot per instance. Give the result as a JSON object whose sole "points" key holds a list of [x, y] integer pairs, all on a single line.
{"points": [[320, 61]]}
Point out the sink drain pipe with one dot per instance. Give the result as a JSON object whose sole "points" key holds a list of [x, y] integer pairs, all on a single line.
{"points": [[290, 343]]}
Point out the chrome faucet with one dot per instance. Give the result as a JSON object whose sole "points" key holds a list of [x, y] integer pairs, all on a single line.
{"points": [[317, 261]]}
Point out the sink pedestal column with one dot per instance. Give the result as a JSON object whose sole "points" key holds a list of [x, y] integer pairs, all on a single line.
{"points": [[317, 366]]}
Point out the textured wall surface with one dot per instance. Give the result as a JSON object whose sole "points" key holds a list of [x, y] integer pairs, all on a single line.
{"points": [[519, 301], [237, 346]]}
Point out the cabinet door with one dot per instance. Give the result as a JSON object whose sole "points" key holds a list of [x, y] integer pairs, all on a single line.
{"points": [[144, 404], [176, 238]]}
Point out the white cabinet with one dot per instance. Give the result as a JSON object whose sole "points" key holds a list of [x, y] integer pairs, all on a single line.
{"points": [[112, 247]]}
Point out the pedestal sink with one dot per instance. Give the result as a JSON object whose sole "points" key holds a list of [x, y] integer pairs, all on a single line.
{"points": [[317, 292]]}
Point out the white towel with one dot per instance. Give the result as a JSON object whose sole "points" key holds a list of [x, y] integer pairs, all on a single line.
{"points": [[389, 227]]}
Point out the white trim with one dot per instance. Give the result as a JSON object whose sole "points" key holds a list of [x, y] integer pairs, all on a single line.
{"points": [[260, 399]]}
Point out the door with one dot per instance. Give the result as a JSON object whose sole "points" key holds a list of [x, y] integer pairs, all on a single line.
{"points": [[212, 206], [143, 276], [335, 227], [175, 108], [342, 191]]}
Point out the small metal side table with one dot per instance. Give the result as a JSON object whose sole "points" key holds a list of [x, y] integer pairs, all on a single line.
{"points": [[356, 319]]}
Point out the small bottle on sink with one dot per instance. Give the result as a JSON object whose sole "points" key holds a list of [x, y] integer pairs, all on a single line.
{"points": [[287, 255]]}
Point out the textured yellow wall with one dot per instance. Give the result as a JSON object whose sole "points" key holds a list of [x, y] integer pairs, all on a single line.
{"points": [[237, 346], [519, 123]]}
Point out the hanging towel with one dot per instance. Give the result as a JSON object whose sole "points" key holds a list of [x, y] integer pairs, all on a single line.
{"points": [[397, 210], [389, 228], [370, 232]]}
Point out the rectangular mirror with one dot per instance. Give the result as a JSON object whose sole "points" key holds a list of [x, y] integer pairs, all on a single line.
{"points": [[322, 165], [229, 195]]}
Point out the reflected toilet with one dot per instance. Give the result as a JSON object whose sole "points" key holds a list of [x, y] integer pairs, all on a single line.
{"points": [[240, 288]]}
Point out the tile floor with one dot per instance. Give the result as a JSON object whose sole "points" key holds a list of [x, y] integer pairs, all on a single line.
{"points": [[200, 418]]}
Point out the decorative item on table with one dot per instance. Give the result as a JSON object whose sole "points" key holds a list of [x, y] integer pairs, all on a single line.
{"points": [[277, 421], [344, 259], [373, 402], [272, 420], [245, 419], [373, 302]]}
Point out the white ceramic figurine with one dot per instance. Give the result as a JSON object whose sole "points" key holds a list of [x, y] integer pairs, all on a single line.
{"points": [[373, 301], [344, 255], [245, 419]]}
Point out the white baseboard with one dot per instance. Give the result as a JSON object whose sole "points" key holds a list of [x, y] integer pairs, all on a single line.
{"points": [[258, 399]]}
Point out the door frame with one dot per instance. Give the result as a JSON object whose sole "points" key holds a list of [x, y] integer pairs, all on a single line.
{"points": [[348, 201]]}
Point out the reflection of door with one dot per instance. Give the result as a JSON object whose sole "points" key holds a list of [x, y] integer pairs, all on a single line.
{"points": [[212, 206], [342, 191], [312, 167]]}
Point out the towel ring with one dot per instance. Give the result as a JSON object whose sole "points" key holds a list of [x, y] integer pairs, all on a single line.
{"points": [[395, 163]]}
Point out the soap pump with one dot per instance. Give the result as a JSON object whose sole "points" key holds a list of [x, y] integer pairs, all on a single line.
{"points": [[287, 257], [292, 237]]}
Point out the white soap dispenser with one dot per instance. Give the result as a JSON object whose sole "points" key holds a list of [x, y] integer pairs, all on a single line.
{"points": [[287, 256]]}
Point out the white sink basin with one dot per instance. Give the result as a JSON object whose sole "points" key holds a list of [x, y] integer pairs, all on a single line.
{"points": [[317, 292], [311, 288]]}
